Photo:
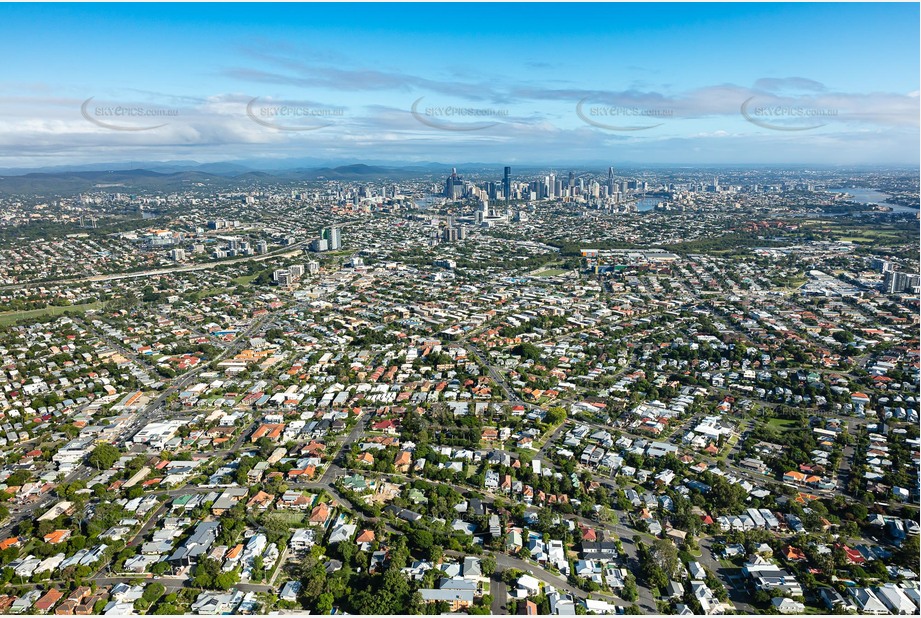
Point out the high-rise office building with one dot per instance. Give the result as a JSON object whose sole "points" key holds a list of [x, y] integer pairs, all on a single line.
{"points": [[332, 237], [454, 186], [880, 265], [507, 184], [896, 282], [283, 277]]}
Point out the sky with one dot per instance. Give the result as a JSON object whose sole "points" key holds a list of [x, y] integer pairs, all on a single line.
{"points": [[522, 83]]}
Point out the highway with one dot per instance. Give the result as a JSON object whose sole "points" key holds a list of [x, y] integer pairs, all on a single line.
{"points": [[288, 250]]}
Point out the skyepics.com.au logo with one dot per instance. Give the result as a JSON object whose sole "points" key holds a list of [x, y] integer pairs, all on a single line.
{"points": [[126, 117], [785, 116], [283, 116], [622, 117], [457, 117]]}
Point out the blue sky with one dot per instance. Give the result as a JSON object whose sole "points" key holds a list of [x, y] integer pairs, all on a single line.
{"points": [[516, 83]]}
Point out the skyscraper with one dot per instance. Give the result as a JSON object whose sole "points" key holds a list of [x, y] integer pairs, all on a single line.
{"points": [[507, 184], [895, 282], [454, 186], [449, 186], [333, 237]]}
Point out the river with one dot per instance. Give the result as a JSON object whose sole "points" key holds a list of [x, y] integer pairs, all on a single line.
{"points": [[647, 203], [871, 196]]}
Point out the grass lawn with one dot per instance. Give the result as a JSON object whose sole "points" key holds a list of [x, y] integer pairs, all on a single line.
{"points": [[209, 292], [12, 317], [782, 423], [727, 448], [244, 280], [814, 610], [553, 272], [288, 518]]}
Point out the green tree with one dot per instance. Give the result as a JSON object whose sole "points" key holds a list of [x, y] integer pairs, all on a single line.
{"points": [[630, 592], [526, 350], [908, 554], [422, 539], [555, 415], [159, 568], [324, 604], [153, 592], [665, 555], [226, 580], [206, 573], [103, 456]]}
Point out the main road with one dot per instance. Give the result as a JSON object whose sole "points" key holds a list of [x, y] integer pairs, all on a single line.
{"points": [[283, 252]]}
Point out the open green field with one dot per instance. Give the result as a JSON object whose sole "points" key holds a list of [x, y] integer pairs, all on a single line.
{"points": [[12, 317], [870, 238], [244, 280], [863, 234], [866, 234], [209, 292], [290, 519], [552, 272], [781, 424], [792, 283]]}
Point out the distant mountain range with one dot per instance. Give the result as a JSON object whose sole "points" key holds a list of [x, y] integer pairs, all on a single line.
{"points": [[167, 178], [173, 175], [280, 166], [178, 175], [66, 183]]}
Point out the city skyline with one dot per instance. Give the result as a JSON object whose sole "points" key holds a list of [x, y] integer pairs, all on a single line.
{"points": [[661, 84]]}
